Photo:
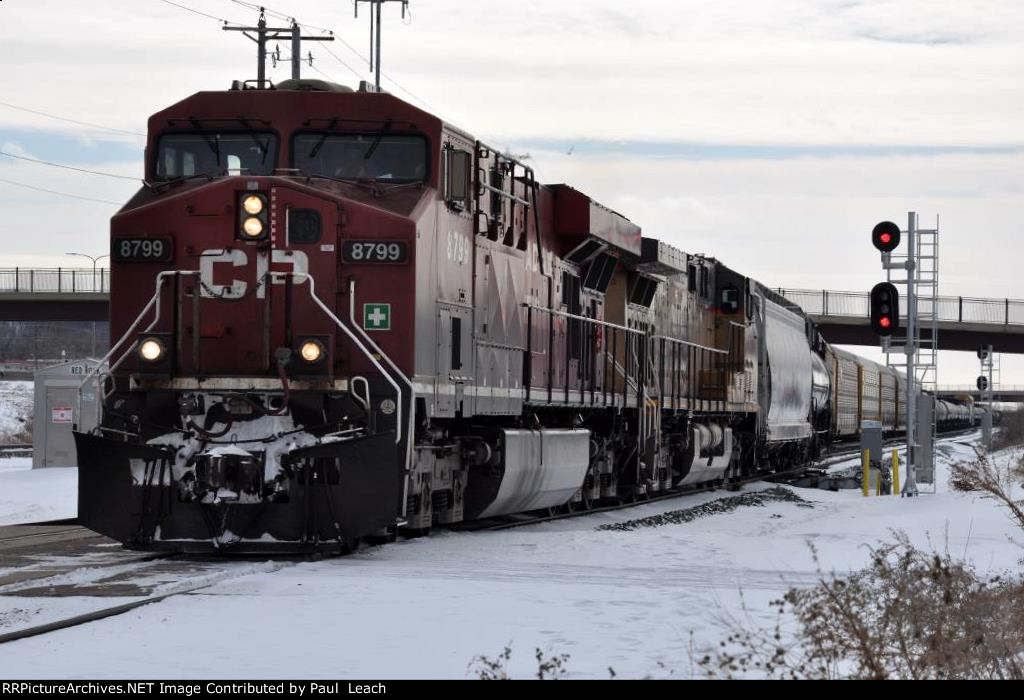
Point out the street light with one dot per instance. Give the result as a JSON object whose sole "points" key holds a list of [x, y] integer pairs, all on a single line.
{"points": [[95, 259]]}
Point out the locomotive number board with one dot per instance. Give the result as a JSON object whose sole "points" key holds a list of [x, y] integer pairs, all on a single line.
{"points": [[157, 249], [374, 251]]}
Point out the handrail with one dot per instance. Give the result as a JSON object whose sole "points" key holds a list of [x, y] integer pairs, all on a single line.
{"points": [[160, 279], [54, 280], [950, 309], [305, 276], [690, 344], [131, 329], [595, 321]]}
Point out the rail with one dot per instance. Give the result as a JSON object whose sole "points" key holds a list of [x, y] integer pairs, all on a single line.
{"points": [[55, 280], [824, 302]]}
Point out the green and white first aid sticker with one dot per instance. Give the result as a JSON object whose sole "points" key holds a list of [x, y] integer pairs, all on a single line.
{"points": [[377, 317]]}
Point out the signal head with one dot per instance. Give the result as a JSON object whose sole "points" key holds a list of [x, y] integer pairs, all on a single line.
{"points": [[886, 236], [885, 309]]}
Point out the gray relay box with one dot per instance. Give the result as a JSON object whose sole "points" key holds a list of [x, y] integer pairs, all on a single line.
{"points": [[871, 439]]}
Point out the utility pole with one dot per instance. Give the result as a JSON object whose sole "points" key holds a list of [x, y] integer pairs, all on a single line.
{"points": [[375, 6], [263, 34]]}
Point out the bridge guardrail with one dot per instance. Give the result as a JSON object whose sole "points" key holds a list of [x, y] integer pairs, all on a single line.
{"points": [[59, 280], [966, 388], [824, 302]]}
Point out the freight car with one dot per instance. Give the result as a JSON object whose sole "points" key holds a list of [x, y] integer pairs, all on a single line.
{"points": [[337, 316]]}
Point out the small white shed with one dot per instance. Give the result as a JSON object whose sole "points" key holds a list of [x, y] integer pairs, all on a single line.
{"points": [[58, 409]]}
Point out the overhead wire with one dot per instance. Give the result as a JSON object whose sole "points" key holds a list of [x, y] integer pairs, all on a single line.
{"points": [[194, 11], [72, 121], [62, 194], [68, 167]]}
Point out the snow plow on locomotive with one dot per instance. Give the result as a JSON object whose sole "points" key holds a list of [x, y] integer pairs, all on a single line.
{"points": [[337, 316]]}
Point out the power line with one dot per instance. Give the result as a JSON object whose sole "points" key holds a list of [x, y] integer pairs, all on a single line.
{"points": [[194, 11], [62, 194], [72, 121], [280, 15], [68, 167], [338, 59], [262, 8]]}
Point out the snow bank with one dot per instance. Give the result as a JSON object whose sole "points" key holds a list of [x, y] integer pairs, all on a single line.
{"points": [[33, 495]]}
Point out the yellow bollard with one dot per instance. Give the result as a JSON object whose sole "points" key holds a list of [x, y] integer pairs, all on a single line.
{"points": [[866, 472], [895, 473]]}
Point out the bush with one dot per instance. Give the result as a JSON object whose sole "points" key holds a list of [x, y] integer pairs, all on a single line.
{"points": [[992, 479], [549, 668], [1011, 430], [908, 615]]}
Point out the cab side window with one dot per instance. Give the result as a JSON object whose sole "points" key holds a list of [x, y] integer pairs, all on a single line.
{"points": [[456, 180]]}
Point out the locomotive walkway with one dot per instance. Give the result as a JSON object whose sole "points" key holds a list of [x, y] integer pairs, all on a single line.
{"points": [[964, 323]]}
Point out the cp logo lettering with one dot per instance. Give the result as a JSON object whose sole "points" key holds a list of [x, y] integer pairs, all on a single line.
{"points": [[236, 258]]}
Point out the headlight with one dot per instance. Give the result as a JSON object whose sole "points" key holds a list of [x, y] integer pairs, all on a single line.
{"points": [[252, 204], [311, 351], [151, 350], [253, 227]]}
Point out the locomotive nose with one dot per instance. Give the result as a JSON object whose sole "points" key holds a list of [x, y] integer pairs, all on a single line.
{"points": [[251, 258]]}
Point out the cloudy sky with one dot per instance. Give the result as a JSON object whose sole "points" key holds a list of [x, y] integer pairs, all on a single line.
{"points": [[772, 135]]}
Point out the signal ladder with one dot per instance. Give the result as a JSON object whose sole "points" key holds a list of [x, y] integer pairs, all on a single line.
{"points": [[926, 335]]}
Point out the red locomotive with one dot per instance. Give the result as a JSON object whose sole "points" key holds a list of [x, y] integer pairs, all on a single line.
{"points": [[337, 316]]}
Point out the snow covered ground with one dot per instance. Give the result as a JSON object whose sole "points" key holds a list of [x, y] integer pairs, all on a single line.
{"points": [[635, 601], [35, 495], [16, 401]]}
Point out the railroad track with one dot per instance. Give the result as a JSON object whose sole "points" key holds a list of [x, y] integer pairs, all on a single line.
{"points": [[837, 456], [15, 450], [55, 561]]}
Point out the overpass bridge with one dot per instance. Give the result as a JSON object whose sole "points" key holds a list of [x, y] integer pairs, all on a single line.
{"points": [[964, 323], [54, 294], [1007, 393]]}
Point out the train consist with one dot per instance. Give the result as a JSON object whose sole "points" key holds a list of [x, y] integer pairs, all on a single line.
{"points": [[337, 316]]}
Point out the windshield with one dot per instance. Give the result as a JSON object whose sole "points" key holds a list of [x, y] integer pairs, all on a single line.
{"points": [[215, 154], [381, 157]]}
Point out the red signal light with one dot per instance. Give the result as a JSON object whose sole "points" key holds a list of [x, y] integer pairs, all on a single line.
{"points": [[885, 322], [885, 237]]}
